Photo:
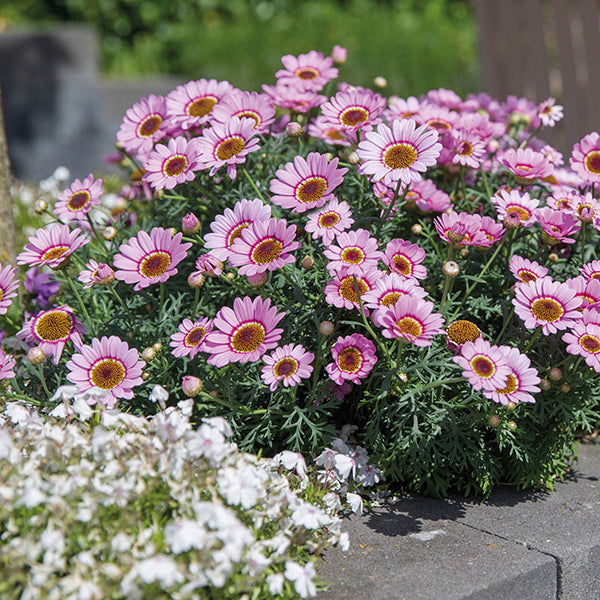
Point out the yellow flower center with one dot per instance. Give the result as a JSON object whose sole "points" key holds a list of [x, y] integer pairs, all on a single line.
{"points": [[54, 253], [547, 309], [248, 114], [267, 251], [354, 115], [247, 337], [200, 107], [349, 360], [149, 126], [155, 264], [175, 165], [54, 326], [402, 265], [230, 147], [590, 343], [329, 220], [285, 367], [483, 366], [107, 373], [462, 331], [236, 233], [409, 327], [390, 298], [194, 337], [311, 189], [526, 276], [306, 73], [353, 255], [592, 162], [523, 214], [347, 290], [78, 200], [400, 156], [510, 386]]}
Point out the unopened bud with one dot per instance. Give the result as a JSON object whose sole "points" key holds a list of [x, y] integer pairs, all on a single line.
{"points": [[353, 158], [553, 256], [417, 229], [464, 253], [230, 275], [545, 384], [104, 274], [146, 375], [293, 129], [195, 279], [494, 420], [512, 425], [148, 354], [450, 268], [157, 346], [36, 356], [339, 54], [510, 405], [403, 377], [190, 224], [191, 385], [109, 233], [380, 82], [307, 262], [326, 327], [258, 280], [512, 220], [39, 206], [173, 231], [565, 387], [555, 374]]}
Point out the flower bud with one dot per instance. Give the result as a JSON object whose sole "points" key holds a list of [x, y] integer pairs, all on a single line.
{"points": [[512, 220], [553, 256], [148, 354], [353, 158], [512, 425], [450, 268], [307, 262], [173, 231], [36, 356], [339, 54], [209, 264], [109, 233], [190, 224], [326, 327], [464, 253], [39, 206], [403, 377], [146, 375], [417, 228], [380, 82], [191, 385], [157, 346], [565, 387], [195, 279], [494, 420], [104, 274], [293, 129], [230, 275], [258, 280], [545, 384], [555, 374]]}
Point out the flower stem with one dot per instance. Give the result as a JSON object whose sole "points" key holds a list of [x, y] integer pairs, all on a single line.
{"points": [[98, 237], [84, 310], [43, 381], [583, 228], [486, 185], [196, 298], [161, 301], [387, 212], [249, 178], [505, 326], [122, 303], [532, 340]]}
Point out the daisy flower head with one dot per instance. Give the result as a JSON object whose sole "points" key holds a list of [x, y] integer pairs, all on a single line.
{"points": [[226, 228], [51, 246], [167, 166], [264, 246], [7, 365], [469, 149], [190, 338], [109, 364], [426, 197], [587, 290], [517, 202], [591, 270], [95, 273], [460, 229], [323, 129], [306, 183], [292, 97], [439, 118], [526, 164], [405, 258], [354, 251], [52, 329], [190, 105], [402, 108], [353, 359], [550, 304], [583, 339], [458, 333], [412, 320], [483, 365], [557, 225], [329, 221], [309, 71], [526, 270], [401, 153], [585, 158], [8, 284], [563, 198], [249, 105], [143, 124], [208, 263], [227, 144], [520, 383], [342, 291], [521, 112], [288, 364], [586, 209], [150, 258], [76, 201], [354, 109], [492, 230], [243, 333], [549, 112]]}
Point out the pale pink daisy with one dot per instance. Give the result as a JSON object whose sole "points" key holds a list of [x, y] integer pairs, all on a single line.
{"points": [[520, 382], [51, 246], [51, 329], [76, 201], [468, 148], [591, 270], [405, 258], [250, 105], [461, 229], [292, 97], [526, 164], [557, 225], [483, 365], [7, 365], [402, 108], [8, 284], [550, 304], [401, 153], [341, 291], [288, 364], [329, 221], [517, 202], [150, 258], [587, 290], [306, 183], [353, 251], [143, 124], [492, 230], [309, 71], [585, 158], [563, 198], [585, 208], [108, 364], [353, 359], [553, 156], [412, 320], [354, 109], [190, 338], [584, 338], [264, 246], [190, 105], [526, 270], [444, 97], [481, 125], [438, 118], [227, 144], [427, 197], [170, 165], [549, 112], [226, 228], [322, 129], [244, 333]]}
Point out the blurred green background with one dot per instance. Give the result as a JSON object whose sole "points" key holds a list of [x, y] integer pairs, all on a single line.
{"points": [[417, 45]]}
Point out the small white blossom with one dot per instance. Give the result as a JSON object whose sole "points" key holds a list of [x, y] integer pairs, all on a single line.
{"points": [[275, 582], [186, 407], [241, 486], [159, 396], [159, 568], [302, 577], [121, 542], [310, 516], [356, 503]]}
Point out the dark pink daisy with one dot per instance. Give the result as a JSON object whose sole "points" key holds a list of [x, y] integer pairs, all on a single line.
{"points": [[426, 197], [492, 230], [95, 273], [585, 159], [586, 209], [76, 201], [309, 71], [563, 199], [584, 338], [405, 258], [150, 258], [546, 303], [108, 364], [8, 284], [526, 270], [354, 109], [170, 165], [354, 251], [329, 221], [143, 125], [264, 246], [483, 365], [250, 105], [190, 338], [353, 359], [227, 144], [557, 225], [306, 183], [293, 97], [526, 164], [288, 364], [51, 246], [587, 290], [461, 229], [515, 202], [400, 153], [520, 382], [244, 333], [51, 329], [341, 291], [7, 365], [469, 148]]}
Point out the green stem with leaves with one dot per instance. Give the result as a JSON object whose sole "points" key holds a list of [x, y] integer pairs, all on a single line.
{"points": [[249, 178], [84, 310]]}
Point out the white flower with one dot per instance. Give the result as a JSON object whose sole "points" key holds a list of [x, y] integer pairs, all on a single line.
{"points": [[356, 503], [185, 534], [32, 496], [302, 577], [220, 424], [332, 501], [242, 486], [82, 408], [121, 542], [159, 568], [275, 582], [206, 441], [16, 412], [256, 562], [344, 541], [345, 465], [310, 517], [6, 444], [159, 395], [186, 407], [368, 476], [293, 460], [60, 411], [65, 393]]}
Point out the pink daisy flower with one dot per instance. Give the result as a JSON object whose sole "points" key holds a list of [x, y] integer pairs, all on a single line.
{"points": [[461, 229], [76, 201], [190, 338], [354, 109], [526, 270], [520, 382], [244, 333], [94, 273], [484, 365], [526, 164], [288, 364], [492, 230], [341, 291], [306, 183], [51, 246], [8, 285], [400, 153], [585, 208], [353, 359], [150, 258], [227, 144], [427, 198], [329, 221], [587, 290], [323, 129], [108, 364], [591, 270], [519, 203], [7, 365], [168, 166], [250, 105], [555, 158], [264, 246], [557, 225], [444, 97], [292, 97], [402, 108], [563, 199], [309, 71], [412, 319], [585, 159], [551, 304], [549, 112], [521, 112], [143, 125], [51, 330], [190, 105], [584, 339], [441, 119], [208, 263], [226, 228], [469, 149], [354, 251], [405, 258]]}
